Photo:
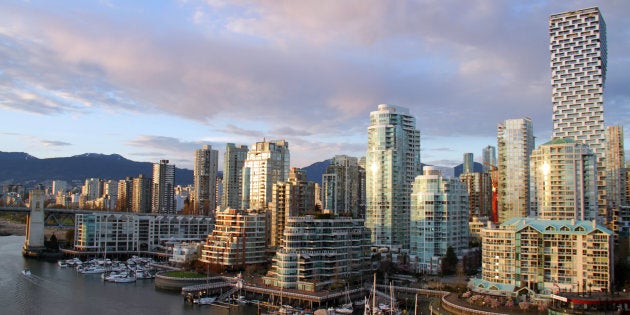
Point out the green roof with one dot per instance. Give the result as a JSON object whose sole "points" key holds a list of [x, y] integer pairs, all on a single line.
{"points": [[560, 141]]}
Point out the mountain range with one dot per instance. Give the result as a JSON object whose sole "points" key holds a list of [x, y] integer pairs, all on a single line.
{"points": [[22, 168]]}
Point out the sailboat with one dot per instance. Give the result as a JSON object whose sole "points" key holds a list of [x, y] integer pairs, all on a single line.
{"points": [[347, 307], [370, 304]]}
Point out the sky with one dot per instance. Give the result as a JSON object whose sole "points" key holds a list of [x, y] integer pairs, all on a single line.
{"points": [[153, 80]]}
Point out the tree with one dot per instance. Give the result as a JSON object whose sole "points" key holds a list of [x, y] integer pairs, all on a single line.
{"points": [[449, 263]]}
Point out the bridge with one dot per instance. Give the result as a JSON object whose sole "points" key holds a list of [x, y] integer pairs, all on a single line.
{"points": [[53, 217]]}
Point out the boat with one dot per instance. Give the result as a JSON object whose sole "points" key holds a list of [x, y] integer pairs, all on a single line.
{"points": [[205, 300], [124, 279], [344, 309], [92, 270], [26, 272], [347, 307], [62, 263]]}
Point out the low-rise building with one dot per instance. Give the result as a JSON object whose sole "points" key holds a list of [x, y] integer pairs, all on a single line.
{"points": [[126, 232], [184, 253]]}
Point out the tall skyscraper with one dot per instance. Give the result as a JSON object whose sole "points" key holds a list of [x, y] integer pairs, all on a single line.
{"points": [[489, 158], [515, 139], [578, 73], [205, 177], [341, 186], [439, 219], [615, 175], [469, 163], [125, 190], [92, 189], [141, 194], [563, 181], [392, 163], [267, 163], [233, 162], [163, 188]]}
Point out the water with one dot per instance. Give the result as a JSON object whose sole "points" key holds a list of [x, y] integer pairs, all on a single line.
{"points": [[53, 290]]}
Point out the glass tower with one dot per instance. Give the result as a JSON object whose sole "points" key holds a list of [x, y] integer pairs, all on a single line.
{"points": [[515, 138], [267, 163], [392, 163]]}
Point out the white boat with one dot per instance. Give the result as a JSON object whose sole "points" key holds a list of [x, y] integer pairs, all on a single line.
{"points": [[62, 264], [124, 279], [205, 300], [92, 270], [344, 309], [26, 272]]}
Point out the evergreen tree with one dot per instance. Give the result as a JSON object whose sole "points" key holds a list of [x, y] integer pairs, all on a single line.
{"points": [[449, 263]]}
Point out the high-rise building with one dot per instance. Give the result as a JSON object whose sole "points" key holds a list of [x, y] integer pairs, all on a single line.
{"points": [[205, 180], [578, 73], [92, 189], [489, 158], [469, 163], [233, 162], [292, 198], [439, 219], [341, 186], [515, 139], [479, 186], [267, 163], [163, 200], [59, 185], [125, 191], [563, 181], [141, 194], [392, 163], [615, 174]]}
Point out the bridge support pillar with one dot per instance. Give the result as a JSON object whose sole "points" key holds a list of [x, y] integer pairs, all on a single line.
{"points": [[34, 239]]}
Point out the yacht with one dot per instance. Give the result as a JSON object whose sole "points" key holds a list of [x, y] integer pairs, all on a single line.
{"points": [[26, 272], [205, 300]]}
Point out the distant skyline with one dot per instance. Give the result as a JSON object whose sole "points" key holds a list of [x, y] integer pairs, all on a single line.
{"points": [[158, 80]]}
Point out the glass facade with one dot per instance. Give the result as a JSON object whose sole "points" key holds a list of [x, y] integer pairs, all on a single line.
{"points": [[515, 138], [392, 163]]}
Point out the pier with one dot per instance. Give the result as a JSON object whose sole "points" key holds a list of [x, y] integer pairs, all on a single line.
{"points": [[312, 299]]}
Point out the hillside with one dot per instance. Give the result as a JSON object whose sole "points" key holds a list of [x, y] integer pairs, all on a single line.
{"points": [[22, 168]]}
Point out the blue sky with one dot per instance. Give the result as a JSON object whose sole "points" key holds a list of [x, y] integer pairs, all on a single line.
{"points": [[154, 80]]}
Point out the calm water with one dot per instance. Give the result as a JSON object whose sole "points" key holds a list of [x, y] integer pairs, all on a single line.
{"points": [[53, 290]]}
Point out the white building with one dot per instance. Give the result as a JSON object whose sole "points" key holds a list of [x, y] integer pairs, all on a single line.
{"points": [[125, 232], [392, 163], [439, 219], [163, 191], [267, 163], [578, 73]]}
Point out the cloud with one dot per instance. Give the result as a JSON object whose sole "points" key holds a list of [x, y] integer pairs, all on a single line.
{"points": [[52, 143], [303, 70]]}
